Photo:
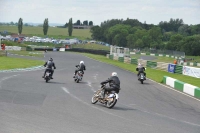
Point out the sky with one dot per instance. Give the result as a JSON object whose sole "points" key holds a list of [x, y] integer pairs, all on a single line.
{"points": [[60, 11]]}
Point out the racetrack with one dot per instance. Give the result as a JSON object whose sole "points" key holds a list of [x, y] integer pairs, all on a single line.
{"points": [[28, 104]]}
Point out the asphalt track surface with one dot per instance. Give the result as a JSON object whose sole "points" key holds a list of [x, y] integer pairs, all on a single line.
{"points": [[29, 105]]}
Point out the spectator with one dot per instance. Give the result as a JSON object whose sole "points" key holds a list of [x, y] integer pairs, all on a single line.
{"points": [[175, 61]]}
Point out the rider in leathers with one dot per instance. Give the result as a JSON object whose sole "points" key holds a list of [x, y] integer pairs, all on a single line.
{"points": [[114, 84], [49, 65], [140, 69], [81, 67]]}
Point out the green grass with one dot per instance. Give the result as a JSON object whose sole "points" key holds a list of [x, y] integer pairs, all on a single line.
{"points": [[91, 46], [52, 32], [29, 53], [156, 75], [12, 63]]}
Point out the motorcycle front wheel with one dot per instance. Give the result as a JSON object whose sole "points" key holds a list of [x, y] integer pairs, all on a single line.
{"points": [[94, 99]]}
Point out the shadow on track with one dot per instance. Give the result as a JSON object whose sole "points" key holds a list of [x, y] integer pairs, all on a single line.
{"points": [[116, 107], [53, 82]]}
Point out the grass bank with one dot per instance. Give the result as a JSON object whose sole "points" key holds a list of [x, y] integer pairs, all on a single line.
{"points": [[12, 63], [156, 75], [52, 32]]}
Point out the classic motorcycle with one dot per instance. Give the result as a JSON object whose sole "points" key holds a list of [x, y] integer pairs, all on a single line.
{"points": [[109, 99], [78, 77], [141, 77], [47, 76]]}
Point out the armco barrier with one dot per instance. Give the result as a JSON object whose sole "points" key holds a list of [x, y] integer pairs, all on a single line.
{"points": [[111, 57], [151, 64], [181, 86], [98, 52], [134, 61], [121, 59], [179, 69]]}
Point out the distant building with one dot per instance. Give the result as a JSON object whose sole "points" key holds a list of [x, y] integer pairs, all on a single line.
{"points": [[82, 27]]}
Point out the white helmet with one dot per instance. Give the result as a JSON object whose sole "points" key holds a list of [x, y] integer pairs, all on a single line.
{"points": [[139, 65], [114, 74], [81, 62]]}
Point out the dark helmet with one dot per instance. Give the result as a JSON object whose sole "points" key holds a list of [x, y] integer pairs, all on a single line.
{"points": [[50, 59]]}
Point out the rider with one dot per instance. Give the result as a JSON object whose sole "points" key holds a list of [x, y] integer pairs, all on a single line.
{"points": [[80, 67], [140, 69], [114, 84], [49, 65]]}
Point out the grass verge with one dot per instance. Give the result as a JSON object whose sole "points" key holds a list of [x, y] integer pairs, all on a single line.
{"points": [[12, 63], [156, 75]]}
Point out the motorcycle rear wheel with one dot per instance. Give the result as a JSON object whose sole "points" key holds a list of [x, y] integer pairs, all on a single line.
{"points": [[47, 79], [111, 104]]}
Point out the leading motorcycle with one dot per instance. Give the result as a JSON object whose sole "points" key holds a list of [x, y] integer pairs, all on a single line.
{"points": [[78, 77], [109, 99], [141, 77], [47, 76]]}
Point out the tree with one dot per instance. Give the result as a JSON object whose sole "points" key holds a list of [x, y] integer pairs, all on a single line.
{"points": [[96, 33], [85, 22], [155, 35], [175, 42], [91, 23], [184, 30], [117, 34], [45, 26], [78, 22], [20, 25], [66, 25], [191, 45], [70, 27]]}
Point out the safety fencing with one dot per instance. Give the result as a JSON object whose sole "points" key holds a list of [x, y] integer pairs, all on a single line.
{"points": [[195, 64], [173, 68]]}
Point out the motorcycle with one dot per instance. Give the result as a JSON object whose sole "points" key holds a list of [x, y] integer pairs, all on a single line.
{"points": [[141, 78], [78, 77], [47, 76], [109, 99]]}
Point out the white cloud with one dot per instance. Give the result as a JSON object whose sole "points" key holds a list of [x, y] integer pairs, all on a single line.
{"points": [[151, 11]]}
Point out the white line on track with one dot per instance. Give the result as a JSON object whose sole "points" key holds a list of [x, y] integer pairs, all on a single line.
{"points": [[65, 89], [90, 85], [152, 81]]}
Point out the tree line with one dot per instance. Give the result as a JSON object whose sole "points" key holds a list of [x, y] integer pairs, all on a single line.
{"points": [[45, 26], [172, 35], [78, 22]]}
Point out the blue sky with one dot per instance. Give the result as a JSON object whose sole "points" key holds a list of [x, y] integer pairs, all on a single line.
{"points": [[59, 11]]}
